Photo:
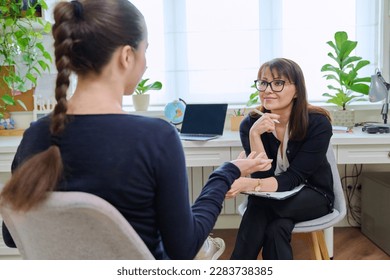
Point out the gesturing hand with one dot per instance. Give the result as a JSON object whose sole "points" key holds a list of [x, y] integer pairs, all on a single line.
{"points": [[253, 163], [242, 184]]}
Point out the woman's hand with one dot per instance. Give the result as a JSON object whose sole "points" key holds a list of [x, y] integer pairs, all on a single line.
{"points": [[242, 184], [266, 123], [253, 163]]}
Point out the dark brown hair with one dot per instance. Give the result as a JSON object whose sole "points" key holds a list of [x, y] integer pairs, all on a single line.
{"points": [[86, 34], [299, 118]]}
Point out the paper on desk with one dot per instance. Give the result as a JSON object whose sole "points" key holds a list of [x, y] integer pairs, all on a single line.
{"points": [[338, 128]]}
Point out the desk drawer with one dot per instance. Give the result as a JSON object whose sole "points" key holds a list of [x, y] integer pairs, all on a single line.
{"points": [[6, 161], [351, 154], [206, 157], [235, 151]]}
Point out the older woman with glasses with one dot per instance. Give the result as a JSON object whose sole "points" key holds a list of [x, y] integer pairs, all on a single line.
{"points": [[295, 135]]}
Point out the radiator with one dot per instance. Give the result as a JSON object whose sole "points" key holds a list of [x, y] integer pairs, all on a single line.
{"points": [[197, 178]]}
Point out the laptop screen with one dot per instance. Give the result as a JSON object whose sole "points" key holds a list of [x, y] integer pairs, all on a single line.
{"points": [[204, 119]]}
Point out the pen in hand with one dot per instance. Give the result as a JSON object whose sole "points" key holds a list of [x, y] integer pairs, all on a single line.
{"points": [[261, 113]]}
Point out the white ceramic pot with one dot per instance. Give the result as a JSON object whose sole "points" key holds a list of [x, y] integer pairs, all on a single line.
{"points": [[141, 102], [343, 118], [22, 119]]}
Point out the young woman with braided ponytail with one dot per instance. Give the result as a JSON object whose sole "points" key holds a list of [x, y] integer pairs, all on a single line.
{"points": [[90, 144]]}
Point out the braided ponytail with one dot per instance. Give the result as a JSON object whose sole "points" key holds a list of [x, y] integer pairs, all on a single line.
{"points": [[31, 181], [86, 34]]}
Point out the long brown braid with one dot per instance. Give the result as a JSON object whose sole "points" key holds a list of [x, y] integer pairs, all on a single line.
{"points": [[86, 33]]}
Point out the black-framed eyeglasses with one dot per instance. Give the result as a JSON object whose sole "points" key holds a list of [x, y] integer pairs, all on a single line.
{"points": [[276, 85]]}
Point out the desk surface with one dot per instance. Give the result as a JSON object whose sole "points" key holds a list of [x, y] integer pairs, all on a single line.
{"points": [[358, 137], [232, 139]]}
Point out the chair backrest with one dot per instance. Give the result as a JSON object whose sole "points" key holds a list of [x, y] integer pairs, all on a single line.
{"points": [[339, 198], [74, 225], [340, 208]]}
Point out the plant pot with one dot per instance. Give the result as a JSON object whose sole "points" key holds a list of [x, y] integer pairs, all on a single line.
{"points": [[22, 119], [235, 122], [7, 122], [343, 118], [141, 102]]}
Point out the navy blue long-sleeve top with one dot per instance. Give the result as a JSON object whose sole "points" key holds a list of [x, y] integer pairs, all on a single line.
{"points": [[137, 164], [307, 158]]}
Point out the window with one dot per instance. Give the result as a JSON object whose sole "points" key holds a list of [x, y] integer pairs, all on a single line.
{"points": [[302, 35], [210, 51]]}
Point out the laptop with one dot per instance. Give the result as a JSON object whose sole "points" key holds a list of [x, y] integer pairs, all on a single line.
{"points": [[202, 122]]}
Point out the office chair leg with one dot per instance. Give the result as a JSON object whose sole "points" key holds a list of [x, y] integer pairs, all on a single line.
{"points": [[322, 245], [319, 249], [316, 246], [329, 236]]}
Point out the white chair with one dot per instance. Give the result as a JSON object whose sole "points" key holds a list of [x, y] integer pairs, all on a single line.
{"points": [[315, 228], [74, 225]]}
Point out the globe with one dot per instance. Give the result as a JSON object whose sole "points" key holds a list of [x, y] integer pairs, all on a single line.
{"points": [[174, 111]]}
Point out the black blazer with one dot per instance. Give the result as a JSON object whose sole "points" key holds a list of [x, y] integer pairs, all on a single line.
{"points": [[307, 158]]}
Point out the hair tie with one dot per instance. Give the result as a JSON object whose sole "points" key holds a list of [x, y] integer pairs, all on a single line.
{"points": [[78, 9], [55, 140]]}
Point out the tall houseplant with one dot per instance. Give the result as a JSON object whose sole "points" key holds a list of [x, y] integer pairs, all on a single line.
{"points": [[22, 55], [344, 72], [140, 96]]}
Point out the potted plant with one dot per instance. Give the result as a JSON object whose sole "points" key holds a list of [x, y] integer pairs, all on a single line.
{"points": [[141, 97], [348, 86], [238, 115], [236, 119], [23, 57]]}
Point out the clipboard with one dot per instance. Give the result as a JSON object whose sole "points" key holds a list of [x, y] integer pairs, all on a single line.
{"points": [[277, 195]]}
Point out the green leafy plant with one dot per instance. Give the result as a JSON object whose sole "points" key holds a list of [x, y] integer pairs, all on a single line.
{"points": [[239, 112], [143, 87], [345, 72], [21, 49], [253, 97]]}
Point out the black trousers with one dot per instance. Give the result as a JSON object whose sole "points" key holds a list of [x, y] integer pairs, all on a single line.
{"points": [[267, 224]]}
